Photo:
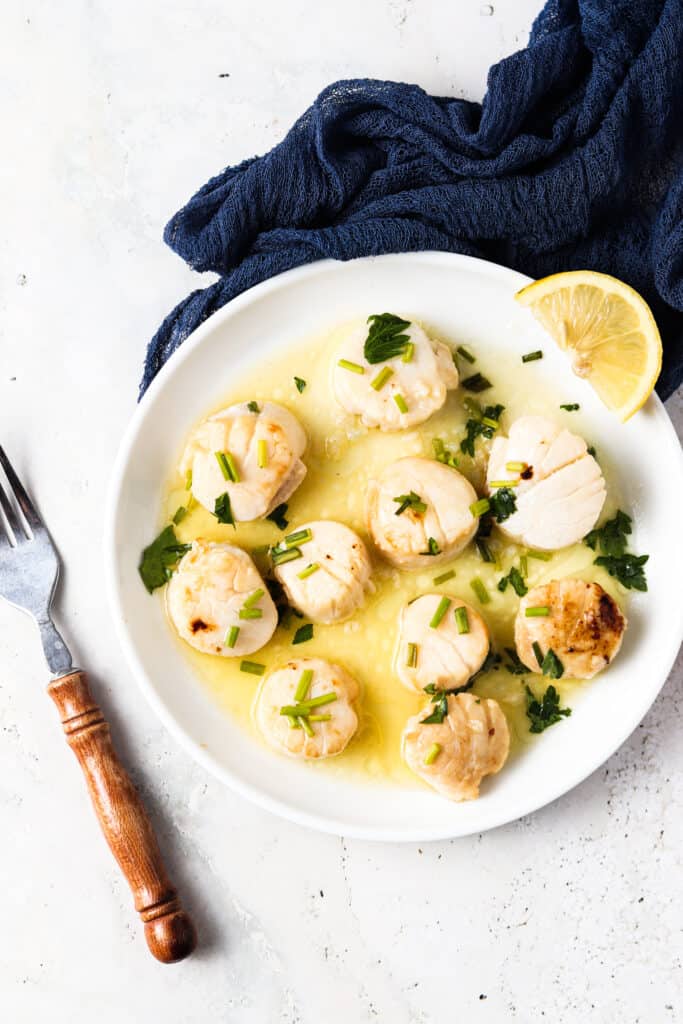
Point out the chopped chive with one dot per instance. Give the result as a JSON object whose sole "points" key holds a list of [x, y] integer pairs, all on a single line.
{"points": [[231, 638], [444, 577], [300, 384], [382, 377], [262, 453], [493, 424], [250, 613], [411, 655], [279, 556], [523, 565], [462, 351], [304, 707], [346, 364], [531, 357], [485, 551], [480, 590], [571, 406], [477, 382], [303, 684], [222, 509], [461, 619], [538, 653], [442, 608], [401, 403], [180, 514], [253, 598], [432, 548], [433, 753], [411, 500], [480, 508], [254, 668], [228, 466], [540, 556], [305, 725], [319, 718], [407, 356], [253, 407], [516, 467], [303, 633], [308, 571], [292, 540], [188, 480], [539, 611], [293, 723], [504, 483]]}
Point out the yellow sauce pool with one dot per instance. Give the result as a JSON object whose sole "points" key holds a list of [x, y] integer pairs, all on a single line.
{"points": [[341, 458]]}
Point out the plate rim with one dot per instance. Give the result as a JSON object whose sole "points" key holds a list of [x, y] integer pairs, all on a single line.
{"points": [[326, 824]]}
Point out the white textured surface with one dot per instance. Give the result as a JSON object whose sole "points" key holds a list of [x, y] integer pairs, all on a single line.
{"points": [[113, 114]]}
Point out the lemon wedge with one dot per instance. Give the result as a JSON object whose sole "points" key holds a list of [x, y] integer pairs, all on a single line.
{"points": [[609, 330]]}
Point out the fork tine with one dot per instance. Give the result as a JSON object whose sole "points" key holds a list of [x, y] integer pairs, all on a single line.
{"points": [[12, 518], [23, 500]]}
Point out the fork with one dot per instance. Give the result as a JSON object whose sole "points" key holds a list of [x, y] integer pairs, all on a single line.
{"points": [[29, 571]]}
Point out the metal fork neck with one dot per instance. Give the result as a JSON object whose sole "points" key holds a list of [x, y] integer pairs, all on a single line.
{"points": [[57, 653]]}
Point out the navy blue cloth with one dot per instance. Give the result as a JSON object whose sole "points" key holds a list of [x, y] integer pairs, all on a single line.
{"points": [[573, 160]]}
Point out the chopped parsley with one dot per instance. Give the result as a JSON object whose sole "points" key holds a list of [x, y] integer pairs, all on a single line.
{"points": [[278, 516], [549, 664], [612, 537], [503, 504], [223, 510], [480, 426], [160, 559], [300, 384], [253, 407], [627, 569], [303, 633], [515, 665], [443, 454], [476, 383], [412, 501], [544, 712], [385, 339], [440, 701], [515, 579]]}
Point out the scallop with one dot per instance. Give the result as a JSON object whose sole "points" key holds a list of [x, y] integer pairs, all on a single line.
{"points": [[438, 647], [561, 489], [455, 755], [409, 535], [327, 583], [328, 727], [584, 626], [412, 391], [217, 589], [250, 451]]}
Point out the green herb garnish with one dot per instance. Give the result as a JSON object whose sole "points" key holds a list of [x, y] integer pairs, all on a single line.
{"points": [[231, 638], [444, 577], [544, 712], [278, 516], [515, 666], [482, 424], [432, 548], [461, 620], [293, 540], [476, 383], [401, 403], [442, 608], [571, 406], [253, 407], [550, 664], [228, 466], [300, 384], [432, 753], [385, 339], [180, 514], [412, 501], [612, 537], [411, 655], [531, 357], [480, 507], [442, 454], [253, 668], [303, 684], [480, 590], [303, 633], [346, 364], [539, 611], [627, 569], [503, 504], [223, 510], [160, 559], [462, 351], [378, 382], [308, 571], [280, 555], [188, 480], [515, 579]]}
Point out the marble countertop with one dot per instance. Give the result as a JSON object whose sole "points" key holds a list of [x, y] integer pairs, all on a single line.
{"points": [[114, 114]]}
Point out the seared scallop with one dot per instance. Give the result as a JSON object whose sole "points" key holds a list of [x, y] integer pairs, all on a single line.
{"points": [[558, 486], [320, 730], [442, 641], [252, 452], [396, 393], [218, 601], [578, 621], [327, 580], [454, 756], [418, 512]]}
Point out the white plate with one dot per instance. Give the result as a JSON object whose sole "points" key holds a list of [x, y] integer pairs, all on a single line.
{"points": [[471, 301]]}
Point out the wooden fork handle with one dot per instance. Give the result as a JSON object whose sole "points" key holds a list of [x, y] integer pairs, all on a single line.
{"points": [[169, 931]]}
